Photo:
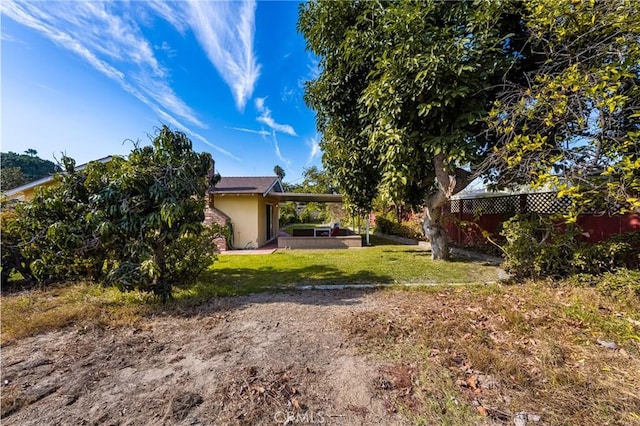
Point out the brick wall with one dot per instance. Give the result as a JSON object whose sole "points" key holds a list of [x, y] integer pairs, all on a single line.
{"points": [[213, 215]]}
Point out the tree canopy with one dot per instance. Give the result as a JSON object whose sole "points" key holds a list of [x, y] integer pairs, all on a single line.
{"points": [[134, 222], [403, 94], [279, 171], [574, 122], [416, 98], [18, 169]]}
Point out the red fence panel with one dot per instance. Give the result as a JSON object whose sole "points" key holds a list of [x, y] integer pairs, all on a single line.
{"points": [[466, 219]]}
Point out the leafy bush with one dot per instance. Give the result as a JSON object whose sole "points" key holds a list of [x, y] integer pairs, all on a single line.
{"points": [[288, 214], [538, 247], [384, 225], [11, 256], [134, 223], [408, 228]]}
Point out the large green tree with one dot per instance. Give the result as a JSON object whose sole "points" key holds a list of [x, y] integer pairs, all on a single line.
{"points": [[574, 122], [18, 169], [403, 93], [135, 222]]}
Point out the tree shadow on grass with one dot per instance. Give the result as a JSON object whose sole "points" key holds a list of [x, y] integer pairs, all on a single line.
{"points": [[267, 285]]}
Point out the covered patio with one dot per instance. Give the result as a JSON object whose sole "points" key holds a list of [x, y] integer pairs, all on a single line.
{"points": [[316, 237]]}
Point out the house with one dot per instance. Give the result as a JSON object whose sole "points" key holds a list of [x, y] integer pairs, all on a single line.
{"points": [[251, 207], [27, 191]]}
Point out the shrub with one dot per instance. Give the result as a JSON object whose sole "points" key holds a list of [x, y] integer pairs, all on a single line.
{"points": [[288, 214], [134, 222], [538, 247], [384, 225]]}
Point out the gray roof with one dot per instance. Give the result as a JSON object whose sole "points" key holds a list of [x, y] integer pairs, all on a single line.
{"points": [[248, 185]]}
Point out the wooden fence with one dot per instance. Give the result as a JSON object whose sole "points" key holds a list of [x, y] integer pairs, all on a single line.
{"points": [[468, 218]]}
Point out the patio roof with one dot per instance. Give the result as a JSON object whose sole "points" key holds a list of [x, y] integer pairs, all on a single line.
{"points": [[304, 197]]}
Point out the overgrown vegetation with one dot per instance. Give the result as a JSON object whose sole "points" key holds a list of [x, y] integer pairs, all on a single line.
{"points": [[56, 306], [469, 355], [541, 247], [18, 169], [416, 99], [572, 123], [135, 223], [407, 228]]}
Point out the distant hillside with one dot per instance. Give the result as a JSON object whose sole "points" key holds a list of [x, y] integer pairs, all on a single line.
{"points": [[18, 169]]}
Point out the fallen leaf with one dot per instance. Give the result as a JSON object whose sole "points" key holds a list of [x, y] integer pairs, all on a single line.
{"points": [[472, 381], [258, 388], [483, 411], [295, 403]]}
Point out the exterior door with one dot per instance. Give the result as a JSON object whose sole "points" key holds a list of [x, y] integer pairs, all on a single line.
{"points": [[269, 221]]}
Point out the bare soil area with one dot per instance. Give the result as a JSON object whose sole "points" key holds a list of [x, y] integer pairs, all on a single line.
{"points": [[261, 359]]}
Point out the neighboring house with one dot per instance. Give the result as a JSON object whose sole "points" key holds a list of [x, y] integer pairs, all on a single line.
{"points": [[27, 191]]}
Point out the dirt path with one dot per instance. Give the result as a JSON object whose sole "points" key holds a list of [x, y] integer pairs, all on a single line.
{"points": [[260, 359]]}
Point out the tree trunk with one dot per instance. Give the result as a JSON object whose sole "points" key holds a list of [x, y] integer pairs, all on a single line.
{"points": [[161, 286], [435, 232], [447, 186]]}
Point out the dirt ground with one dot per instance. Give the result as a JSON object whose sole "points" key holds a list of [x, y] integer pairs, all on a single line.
{"points": [[259, 359]]}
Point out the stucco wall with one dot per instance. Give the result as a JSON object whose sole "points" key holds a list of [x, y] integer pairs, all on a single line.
{"points": [[243, 211]]}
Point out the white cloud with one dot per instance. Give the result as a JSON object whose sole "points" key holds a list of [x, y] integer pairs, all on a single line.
{"points": [[168, 119], [259, 102], [265, 118], [175, 16], [166, 47], [276, 148], [288, 94], [225, 31], [110, 42], [261, 132], [314, 147]]}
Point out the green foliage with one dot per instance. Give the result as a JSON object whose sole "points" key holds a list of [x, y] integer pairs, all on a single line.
{"points": [[406, 228], [384, 225], [316, 181], [401, 84], [573, 123], [540, 247], [134, 223], [279, 171], [288, 214], [11, 256], [11, 177], [18, 169]]}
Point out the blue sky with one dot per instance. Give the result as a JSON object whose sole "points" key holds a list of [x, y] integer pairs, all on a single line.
{"points": [[85, 77]]}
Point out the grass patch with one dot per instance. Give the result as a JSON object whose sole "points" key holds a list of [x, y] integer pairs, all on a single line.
{"points": [[83, 305], [497, 351], [80, 305], [387, 264]]}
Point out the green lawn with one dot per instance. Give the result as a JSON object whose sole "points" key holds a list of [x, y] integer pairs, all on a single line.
{"points": [[380, 264]]}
